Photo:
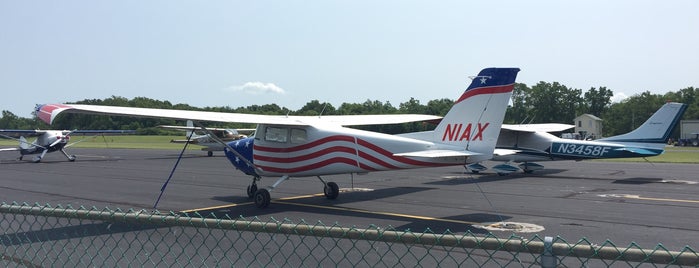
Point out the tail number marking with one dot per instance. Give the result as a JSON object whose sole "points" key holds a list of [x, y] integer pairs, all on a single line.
{"points": [[581, 149], [457, 132]]}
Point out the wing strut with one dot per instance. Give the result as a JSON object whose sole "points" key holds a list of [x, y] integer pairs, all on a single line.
{"points": [[162, 189]]}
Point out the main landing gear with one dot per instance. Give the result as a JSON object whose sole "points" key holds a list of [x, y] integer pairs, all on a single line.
{"points": [[262, 197], [71, 157]]}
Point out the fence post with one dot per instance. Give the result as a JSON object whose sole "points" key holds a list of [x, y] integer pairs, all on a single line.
{"points": [[548, 260]]}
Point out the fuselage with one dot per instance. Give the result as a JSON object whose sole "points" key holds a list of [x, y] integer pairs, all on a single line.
{"points": [[541, 146], [51, 140], [298, 151]]}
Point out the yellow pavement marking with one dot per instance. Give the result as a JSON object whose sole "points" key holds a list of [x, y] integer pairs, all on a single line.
{"points": [[400, 215], [284, 199], [659, 199], [215, 207]]}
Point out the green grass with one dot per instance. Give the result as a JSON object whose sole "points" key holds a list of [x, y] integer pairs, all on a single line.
{"points": [[119, 141], [672, 154]]}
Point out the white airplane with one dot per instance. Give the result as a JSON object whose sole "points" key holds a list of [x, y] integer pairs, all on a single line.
{"points": [[206, 140], [48, 141], [527, 144], [305, 146]]}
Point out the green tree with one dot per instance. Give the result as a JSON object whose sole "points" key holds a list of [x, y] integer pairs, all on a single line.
{"points": [[597, 101]]}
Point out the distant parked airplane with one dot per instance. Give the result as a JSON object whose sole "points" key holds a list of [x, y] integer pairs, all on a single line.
{"points": [[210, 143], [525, 146], [48, 141], [305, 146]]}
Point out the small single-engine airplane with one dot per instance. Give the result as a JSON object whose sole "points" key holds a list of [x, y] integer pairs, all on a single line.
{"points": [[528, 143], [305, 146], [210, 144], [48, 141]]}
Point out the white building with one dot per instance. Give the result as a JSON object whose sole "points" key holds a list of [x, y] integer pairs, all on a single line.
{"points": [[588, 126]]}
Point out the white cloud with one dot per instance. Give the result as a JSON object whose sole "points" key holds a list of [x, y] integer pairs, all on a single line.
{"points": [[258, 88], [618, 97]]}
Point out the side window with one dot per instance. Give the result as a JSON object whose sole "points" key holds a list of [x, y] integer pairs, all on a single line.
{"points": [[298, 135], [276, 134]]}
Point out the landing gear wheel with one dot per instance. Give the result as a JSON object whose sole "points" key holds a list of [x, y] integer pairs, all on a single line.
{"points": [[71, 158], [262, 198], [474, 171], [209, 153], [528, 171], [252, 189], [502, 174], [331, 190]]}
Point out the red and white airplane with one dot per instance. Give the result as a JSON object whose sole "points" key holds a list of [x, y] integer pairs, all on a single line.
{"points": [[48, 141], [304, 146]]}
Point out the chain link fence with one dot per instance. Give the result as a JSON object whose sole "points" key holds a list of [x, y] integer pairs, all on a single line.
{"points": [[44, 235]]}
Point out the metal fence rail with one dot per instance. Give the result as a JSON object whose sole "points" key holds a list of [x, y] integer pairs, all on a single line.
{"points": [[44, 235]]}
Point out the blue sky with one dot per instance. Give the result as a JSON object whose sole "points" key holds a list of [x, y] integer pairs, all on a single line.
{"points": [[239, 53]]}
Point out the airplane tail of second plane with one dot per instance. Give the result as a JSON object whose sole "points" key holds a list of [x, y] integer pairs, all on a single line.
{"points": [[656, 130]]}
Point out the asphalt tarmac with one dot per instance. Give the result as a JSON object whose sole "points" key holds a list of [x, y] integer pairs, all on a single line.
{"points": [[646, 203]]}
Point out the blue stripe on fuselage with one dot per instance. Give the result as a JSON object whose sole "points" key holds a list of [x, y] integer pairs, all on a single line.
{"points": [[575, 150]]}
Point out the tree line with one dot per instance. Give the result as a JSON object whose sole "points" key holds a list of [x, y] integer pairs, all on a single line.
{"points": [[542, 103]]}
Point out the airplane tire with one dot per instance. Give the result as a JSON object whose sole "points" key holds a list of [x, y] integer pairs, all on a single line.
{"points": [[210, 153], [252, 189], [262, 198], [528, 171], [474, 171], [331, 190], [502, 174], [71, 158]]}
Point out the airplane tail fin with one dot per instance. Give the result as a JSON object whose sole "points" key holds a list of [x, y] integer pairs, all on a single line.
{"points": [[23, 143], [474, 122], [657, 129], [190, 128]]}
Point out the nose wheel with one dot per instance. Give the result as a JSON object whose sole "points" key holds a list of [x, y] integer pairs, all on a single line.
{"points": [[262, 198]]}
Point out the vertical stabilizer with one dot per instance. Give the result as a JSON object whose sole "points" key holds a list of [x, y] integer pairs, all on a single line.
{"points": [[23, 143], [475, 119], [657, 128], [190, 128]]}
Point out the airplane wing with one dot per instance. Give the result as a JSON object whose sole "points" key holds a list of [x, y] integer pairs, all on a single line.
{"points": [[103, 132], [48, 113], [438, 153], [549, 127], [244, 130], [21, 131]]}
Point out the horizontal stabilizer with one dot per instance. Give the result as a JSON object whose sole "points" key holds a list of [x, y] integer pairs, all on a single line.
{"points": [[501, 152], [438, 153], [551, 127], [638, 151]]}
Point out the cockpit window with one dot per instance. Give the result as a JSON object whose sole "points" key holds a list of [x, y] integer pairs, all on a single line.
{"points": [[298, 135], [276, 134]]}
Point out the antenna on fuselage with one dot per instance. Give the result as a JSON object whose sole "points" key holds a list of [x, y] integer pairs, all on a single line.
{"points": [[323, 110]]}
